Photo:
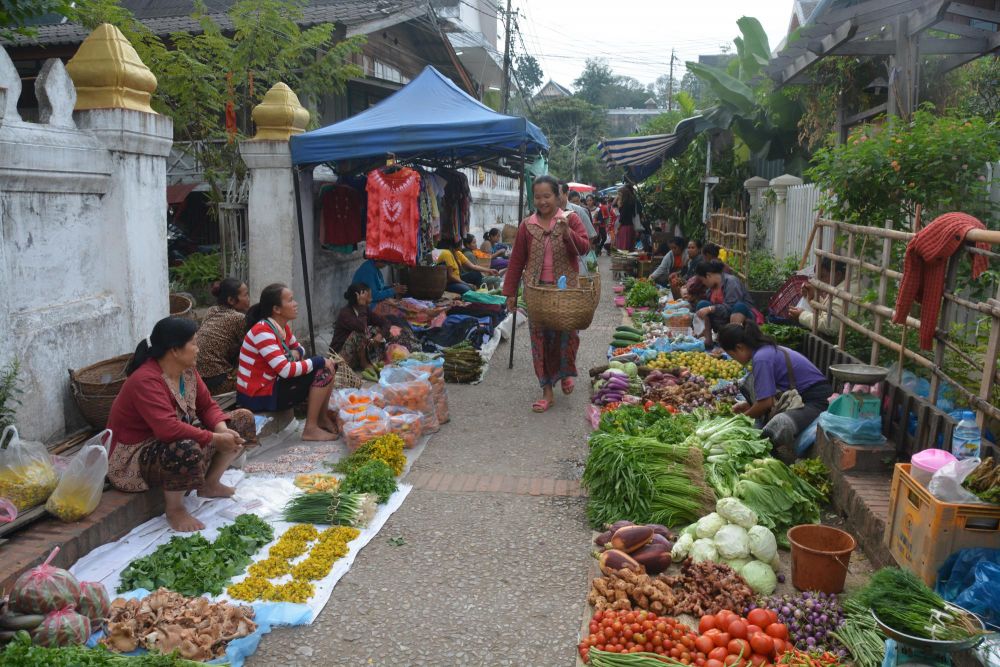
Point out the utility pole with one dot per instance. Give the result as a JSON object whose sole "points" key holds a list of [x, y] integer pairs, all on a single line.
{"points": [[670, 83], [505, 90], [576, 147]]}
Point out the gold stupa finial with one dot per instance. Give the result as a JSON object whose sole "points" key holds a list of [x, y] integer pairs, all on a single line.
{"points": [[279, 115], [108, 73]]}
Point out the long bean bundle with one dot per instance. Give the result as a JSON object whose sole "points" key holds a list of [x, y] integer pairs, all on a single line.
{"points": [[904, 603], [860, 635]]}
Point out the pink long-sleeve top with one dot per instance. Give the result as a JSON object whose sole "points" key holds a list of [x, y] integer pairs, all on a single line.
{"points": [[576, 243]]}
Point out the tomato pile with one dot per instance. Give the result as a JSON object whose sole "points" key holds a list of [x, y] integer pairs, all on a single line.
{"points": [[728, 640], [642, 631]]}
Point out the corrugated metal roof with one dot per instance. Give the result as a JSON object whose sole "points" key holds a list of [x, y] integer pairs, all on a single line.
{"points": [[169, 16]]}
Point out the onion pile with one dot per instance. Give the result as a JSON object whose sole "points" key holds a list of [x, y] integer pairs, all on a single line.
{"points": [[810, 617]]}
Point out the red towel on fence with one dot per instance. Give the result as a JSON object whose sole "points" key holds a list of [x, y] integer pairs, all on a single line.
{"points": [[924, 269]]}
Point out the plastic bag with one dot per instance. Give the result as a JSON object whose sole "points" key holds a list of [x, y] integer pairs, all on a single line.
{"points": [[970, 578], [853, 431], [439, 389], [807, 438], [407, 425], [80, 487], [946, 484], [27, 477], [412, 390], [44, 589], [355, 397], [372, 425]]}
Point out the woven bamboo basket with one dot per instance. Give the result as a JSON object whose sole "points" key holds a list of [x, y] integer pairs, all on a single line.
{"points": [[508, 234], [95, 388], [623, 263], [181, 305], [345, 377], [484, 261], [570, 309], [427, 282]]}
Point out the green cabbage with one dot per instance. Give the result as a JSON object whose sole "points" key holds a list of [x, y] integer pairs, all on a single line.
{"points": [[704, 549], [732, 542], [760, 577], [733, 511], [763, 546], [682, 547], [709, 525]]}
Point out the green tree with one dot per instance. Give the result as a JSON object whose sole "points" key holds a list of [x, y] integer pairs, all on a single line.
{"points": [[16, 15], [595, 83], [199, 74], [573, 128], [529, 73]]}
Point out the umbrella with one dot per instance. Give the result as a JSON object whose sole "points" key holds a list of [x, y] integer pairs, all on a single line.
{"points": [[580, 187]]}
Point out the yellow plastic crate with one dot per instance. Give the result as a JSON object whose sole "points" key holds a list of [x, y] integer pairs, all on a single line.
{"points": [[922, 531]]}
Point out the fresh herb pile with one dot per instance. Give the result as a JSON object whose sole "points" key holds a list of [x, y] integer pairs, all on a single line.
{"points": [[374, 477], [904, 603], [642, 294], [194, 566], [784, 334], [816, 474], [336, 508], [984, 481], [20, 652], [387, 448]]}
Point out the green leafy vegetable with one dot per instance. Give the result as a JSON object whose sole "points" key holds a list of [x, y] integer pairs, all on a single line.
{"points": [[193, 566], [20, 652], [334, 508], [642, 294], [375, 477], [780, 498], [816, 474]]}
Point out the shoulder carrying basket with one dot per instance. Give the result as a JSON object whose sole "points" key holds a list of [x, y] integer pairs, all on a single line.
{"points": [[570, 309], [95, 388]]}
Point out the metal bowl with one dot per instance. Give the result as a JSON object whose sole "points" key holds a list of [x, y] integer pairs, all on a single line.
{"points": [[934, 645], [859, 373]]}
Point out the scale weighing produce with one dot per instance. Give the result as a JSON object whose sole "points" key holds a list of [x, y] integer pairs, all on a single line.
{"points": [[906, 650], [857, 404]]}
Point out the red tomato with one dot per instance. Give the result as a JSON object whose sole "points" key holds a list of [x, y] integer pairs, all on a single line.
{"points": [[759, 617], [753, 628], [706, 623], [723, 619], [718, 653], [714, 663], [780, 646], [734, 661], [738, 629], [721, 639], [777, 630], [772, 616], [704, 644], [757, 660], [740, 647], [762, 643], [630, 617]]}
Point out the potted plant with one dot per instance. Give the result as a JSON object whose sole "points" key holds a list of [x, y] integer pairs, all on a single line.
{"points": [[197, 273], [765, 275]]}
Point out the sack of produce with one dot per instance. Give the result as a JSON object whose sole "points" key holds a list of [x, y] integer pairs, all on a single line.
{"points": [[63, 627], [355, 413], [80, 487], [26, 473], [407, 426], [367, 427], [44, 589], [406, 388], [363, 398], [95, 603], [439, 388]]}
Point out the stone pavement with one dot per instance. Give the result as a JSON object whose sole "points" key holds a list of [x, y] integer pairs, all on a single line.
{"points": [[492, 564]]}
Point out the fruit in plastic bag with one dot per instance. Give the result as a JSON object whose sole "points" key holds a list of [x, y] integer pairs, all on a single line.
{"points": [[95, 603], [63, 627], [44, 589], [79, 490], [26, 473]]}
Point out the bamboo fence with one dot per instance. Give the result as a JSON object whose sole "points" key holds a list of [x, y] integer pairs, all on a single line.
{"points": [[729, 231]]}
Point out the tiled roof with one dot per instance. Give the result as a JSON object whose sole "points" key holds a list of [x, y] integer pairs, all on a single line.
{"points": [[169, 16]]}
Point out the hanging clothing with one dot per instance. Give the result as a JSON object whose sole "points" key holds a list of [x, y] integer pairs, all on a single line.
{"points": [[393, 216], [925, 266], [342, 224], [456, 206]]}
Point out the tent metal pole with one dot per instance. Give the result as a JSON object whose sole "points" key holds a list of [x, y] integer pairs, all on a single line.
{"points": [[520, 211], [305, 259]]}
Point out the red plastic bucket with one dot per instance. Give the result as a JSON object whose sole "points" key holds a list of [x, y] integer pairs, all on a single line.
{"points": [[821, 556]]}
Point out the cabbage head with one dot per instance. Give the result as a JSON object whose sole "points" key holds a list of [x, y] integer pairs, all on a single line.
{"points": [[736, 563], [732, 542], [733, 511], [762, 544], [682, 547], [709, 525], [704, 549], [760, 577]]}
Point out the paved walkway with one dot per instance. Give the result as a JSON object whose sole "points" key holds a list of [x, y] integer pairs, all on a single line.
{"points": [[494, 553]]}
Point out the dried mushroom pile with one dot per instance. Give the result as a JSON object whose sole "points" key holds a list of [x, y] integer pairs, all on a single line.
{"points": [[166, 621]]}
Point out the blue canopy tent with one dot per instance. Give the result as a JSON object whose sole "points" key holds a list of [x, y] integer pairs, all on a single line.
{"points": [[429, 121]]}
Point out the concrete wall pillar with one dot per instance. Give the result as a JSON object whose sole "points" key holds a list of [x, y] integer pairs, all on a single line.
{"points": [[780, 186]]}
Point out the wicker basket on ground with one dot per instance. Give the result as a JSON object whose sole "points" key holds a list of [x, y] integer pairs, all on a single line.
{"points": [[345, 376], [427, 282], [95, 387], [570, 309], [181, 305]]}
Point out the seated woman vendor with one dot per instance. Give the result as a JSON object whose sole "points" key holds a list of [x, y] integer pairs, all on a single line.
{"points": [[156, 443], [728, 299], [463, 275], [496, 249], [359, 334], [786, 392], [221, 335], [493, 274], [275, 373]]}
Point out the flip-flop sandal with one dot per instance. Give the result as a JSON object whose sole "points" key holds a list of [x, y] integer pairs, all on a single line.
{"points": [[541, 405], [568, 385]]}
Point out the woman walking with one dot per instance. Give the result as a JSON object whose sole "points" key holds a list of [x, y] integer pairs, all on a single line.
{"points": [[548, 245]]}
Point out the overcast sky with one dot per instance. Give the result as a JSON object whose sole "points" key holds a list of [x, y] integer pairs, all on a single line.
{"points": [[636, 36]]}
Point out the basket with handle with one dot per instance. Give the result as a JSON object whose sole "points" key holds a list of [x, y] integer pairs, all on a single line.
{"points": [[345, 376], [570, 309]]}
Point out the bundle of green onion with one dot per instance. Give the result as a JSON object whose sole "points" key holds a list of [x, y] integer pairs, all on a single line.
{"points": [[904, 603], [332, 508]]}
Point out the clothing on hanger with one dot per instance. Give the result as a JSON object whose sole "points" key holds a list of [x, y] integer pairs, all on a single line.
{"points": [[393, 215]]}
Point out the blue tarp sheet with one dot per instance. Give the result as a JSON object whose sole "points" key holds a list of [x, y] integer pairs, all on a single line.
{"points": [[430, 117]]}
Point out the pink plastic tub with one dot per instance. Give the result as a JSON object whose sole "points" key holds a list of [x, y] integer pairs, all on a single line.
{"points": [[926, 463]]}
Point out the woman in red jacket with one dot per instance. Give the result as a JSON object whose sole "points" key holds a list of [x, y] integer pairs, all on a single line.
{"points": [[548, 245], [155, 442]]}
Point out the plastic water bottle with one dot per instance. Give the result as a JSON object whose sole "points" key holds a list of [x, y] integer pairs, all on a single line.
{"points": [[966, 439], [561, 283]]}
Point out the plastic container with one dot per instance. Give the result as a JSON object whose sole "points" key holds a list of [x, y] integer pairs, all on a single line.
{"points": [[928, 462], [966, 440], [821, 556], [922, 531]]}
